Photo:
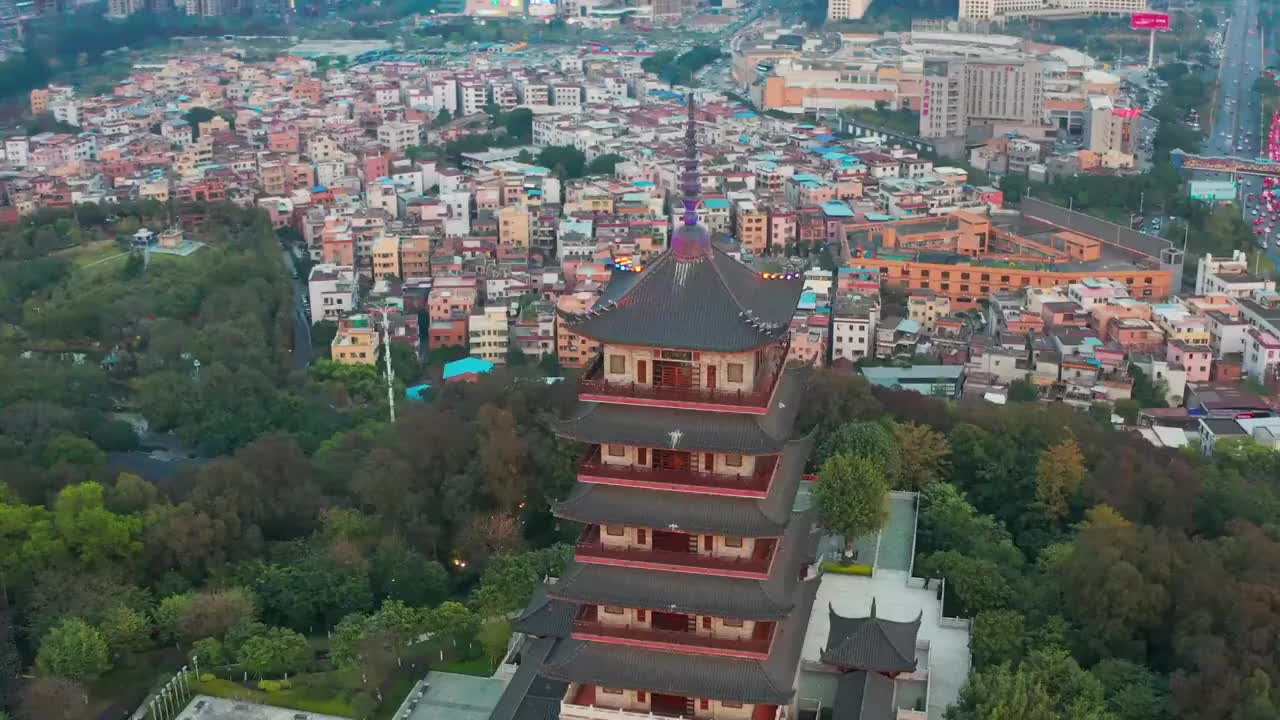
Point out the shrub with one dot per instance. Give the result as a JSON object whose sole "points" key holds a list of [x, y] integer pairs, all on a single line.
{"points": [[832, 566], [206, 677], [269, 685]]}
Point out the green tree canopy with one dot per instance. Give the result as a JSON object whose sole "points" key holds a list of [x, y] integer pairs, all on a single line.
{"points": [[74, 650]]}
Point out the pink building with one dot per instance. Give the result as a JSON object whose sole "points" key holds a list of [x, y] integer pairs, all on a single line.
{"points": [[1195, 359], [450, 303], [1135, 334], [1106, 313]]}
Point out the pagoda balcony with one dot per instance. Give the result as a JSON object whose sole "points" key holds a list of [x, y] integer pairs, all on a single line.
{"points": [[587, 626], [755, 485], [580, 703], [590, 549], [594, 387]]}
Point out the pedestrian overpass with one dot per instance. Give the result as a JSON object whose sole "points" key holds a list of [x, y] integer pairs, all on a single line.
{"points": [[1235, 165]]}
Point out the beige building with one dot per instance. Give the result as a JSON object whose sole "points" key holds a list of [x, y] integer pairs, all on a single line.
{"points": [[386, 257], [488, 336], [926, 307], [397, 137], [513, 226], [1108, 129], [356, 342]]}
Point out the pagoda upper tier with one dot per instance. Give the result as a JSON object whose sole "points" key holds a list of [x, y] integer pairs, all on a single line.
{"points": [[703, 301]]}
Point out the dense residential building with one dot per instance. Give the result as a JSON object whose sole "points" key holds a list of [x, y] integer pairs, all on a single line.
{"points": [[356, 342], [332, 291], [964, 91]]}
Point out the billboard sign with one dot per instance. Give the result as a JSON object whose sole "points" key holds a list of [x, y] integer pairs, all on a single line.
{"points": [[1149, 21]]}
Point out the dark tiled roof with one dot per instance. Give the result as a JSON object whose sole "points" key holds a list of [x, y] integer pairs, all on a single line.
{"points": [[691, 429], [871, 643], [863, 696], [744, 517], [722, 678], [544, 617], [768, 599], [702, 303], [529, 695]]}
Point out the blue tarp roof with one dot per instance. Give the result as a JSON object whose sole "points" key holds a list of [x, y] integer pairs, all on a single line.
{"points": [[826, 138], [716, 203], [835, 208], [417, 392], [466, 366]]}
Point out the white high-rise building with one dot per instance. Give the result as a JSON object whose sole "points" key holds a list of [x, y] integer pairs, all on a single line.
{"points": [[838, 10], [959, 92], [1000, 10]]}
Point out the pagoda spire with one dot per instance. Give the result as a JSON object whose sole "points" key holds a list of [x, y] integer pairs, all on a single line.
{"points": [[689, 183]]}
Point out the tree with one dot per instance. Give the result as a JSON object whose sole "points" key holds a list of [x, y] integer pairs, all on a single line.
{"points": [[852, 497], [494, 636], [344, 641], [973, 584], [1023, 391], [52, 698], [871, 440], [444, 117], [1001, 693], [998, 637], [131, 494], [126, 630], [1059, 476], [212, 613], [567, 161], [275, 652], [10, 659], [519, 125], [453, 622], [605, 164], [95, 536], [922, 455], [209, 651], [168, 612], [509, 580], [1128, 410], [74, 650], [72, 450], [400, 573]]}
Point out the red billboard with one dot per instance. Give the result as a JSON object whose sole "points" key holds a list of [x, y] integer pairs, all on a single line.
{"points": [[1149, 21]]}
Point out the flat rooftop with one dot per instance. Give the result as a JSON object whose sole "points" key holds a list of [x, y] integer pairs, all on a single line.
{"points": [[449, 696]]}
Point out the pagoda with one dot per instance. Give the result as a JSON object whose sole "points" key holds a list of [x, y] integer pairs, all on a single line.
{"points": [[869, 652], [689, 591]]}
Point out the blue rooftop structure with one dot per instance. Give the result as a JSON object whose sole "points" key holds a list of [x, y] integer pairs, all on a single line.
{"points": [[826, 138], [643, 183], [416, 392], [835, 208], [745, 114], [879, 217], [908, 325], [318, 188], [808, 300], [716, 203], [466, 366]]}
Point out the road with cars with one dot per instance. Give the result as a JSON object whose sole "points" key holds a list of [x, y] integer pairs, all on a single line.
{"points": [[1238, 124]]}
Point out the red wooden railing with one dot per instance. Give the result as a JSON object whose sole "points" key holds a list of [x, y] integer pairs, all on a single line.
{"points": [[752, 647], [593, 383], [590, 548], [755, 484]]}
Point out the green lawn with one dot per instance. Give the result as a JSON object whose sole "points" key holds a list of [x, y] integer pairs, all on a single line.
{"points": [[92, 252], [327, 699]]}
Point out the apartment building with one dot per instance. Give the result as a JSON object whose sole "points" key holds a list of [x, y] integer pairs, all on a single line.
{"points": [[386, 257], [488, 334], [356, 342], [959, 92], [333, 291], [397, 137], [838, 10], [1109, 129]]}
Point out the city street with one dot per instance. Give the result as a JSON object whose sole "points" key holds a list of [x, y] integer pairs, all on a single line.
{"points": [[1237, 121], [301, 316]]}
